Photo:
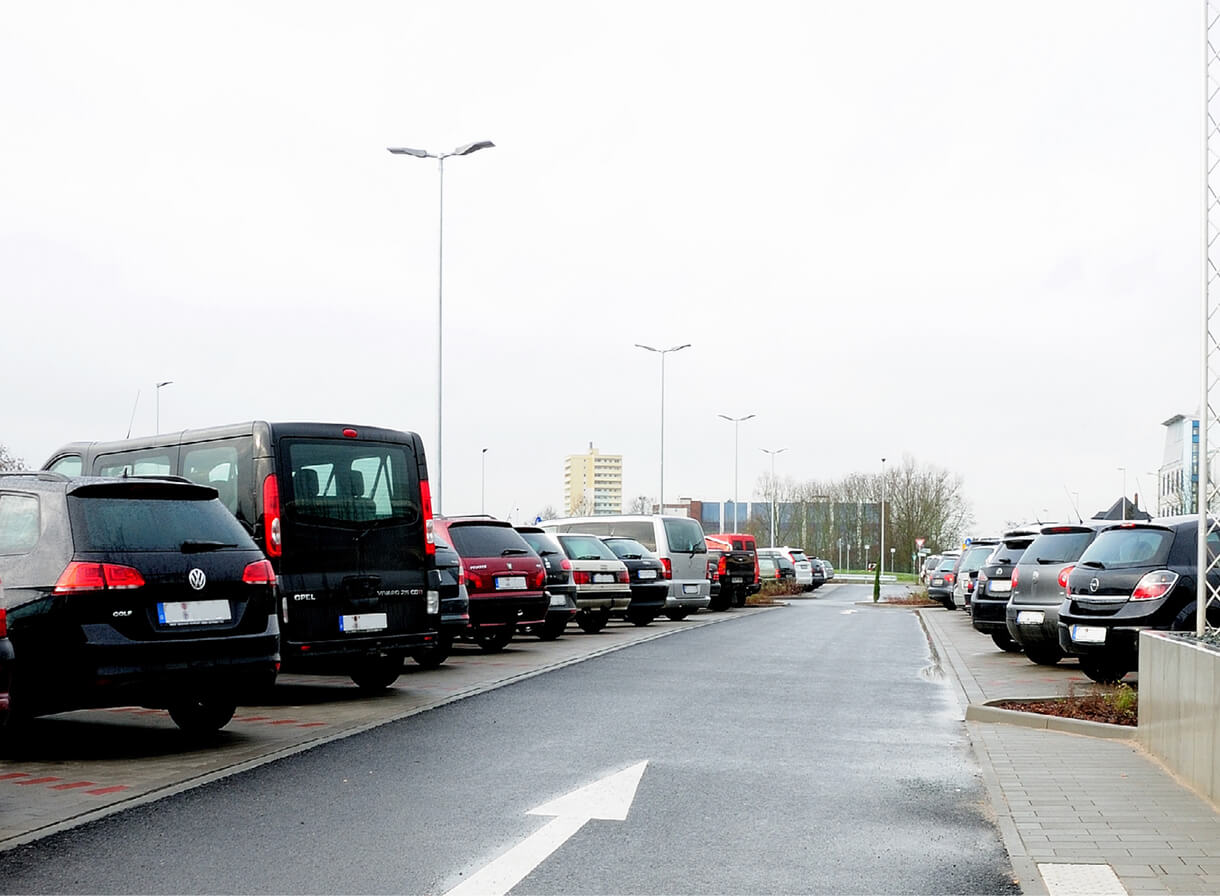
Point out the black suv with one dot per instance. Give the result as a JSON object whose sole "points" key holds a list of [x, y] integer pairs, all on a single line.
{"points": [[559, 583], [1133, 576], [133, 591], [993, 587]]}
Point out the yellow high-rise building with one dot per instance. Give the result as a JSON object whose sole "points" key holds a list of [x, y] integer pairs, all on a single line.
{"points": [[592, 483]]}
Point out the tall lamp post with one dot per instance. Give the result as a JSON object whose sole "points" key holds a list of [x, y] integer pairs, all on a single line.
{"points": [[159, 385], [663, 352], [483, 482], [882, 552], [735, 421], [772, 452], [440, 276]]}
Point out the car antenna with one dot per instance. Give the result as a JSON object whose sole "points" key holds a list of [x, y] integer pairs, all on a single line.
{"points": [[133, 414], [1075, 507]]}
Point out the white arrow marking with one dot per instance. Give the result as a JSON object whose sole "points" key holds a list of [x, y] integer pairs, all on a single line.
{"points": [[610, 799]]}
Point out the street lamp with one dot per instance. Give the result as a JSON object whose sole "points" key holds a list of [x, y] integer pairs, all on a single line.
{"points": [[483, 482], [772, 452], [883, 515], [663, 352], [735, 421], [159, 385], [440, 276]]}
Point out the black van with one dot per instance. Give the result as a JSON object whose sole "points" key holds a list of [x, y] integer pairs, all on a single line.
{"points": [[342, 512]]}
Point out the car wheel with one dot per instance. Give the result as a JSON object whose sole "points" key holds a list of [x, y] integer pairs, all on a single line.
{"points": [[432, 656], [1005, 642], [1104, 669], [594, 621], [493, 640], [202, 714], [640, 619], [948, 602], [677, 615], [1044, 656], [551, 629], [739, 598], [721, 602], [1185, 620], [377, 673]]}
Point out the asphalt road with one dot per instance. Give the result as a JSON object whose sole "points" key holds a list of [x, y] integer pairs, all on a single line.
{"points": [[807, 749]]}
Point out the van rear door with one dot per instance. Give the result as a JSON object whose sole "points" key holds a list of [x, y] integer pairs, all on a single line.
{"points": [[687, 548]]}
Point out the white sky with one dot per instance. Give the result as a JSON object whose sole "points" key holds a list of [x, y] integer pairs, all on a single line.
{"points": [[963, 231]]}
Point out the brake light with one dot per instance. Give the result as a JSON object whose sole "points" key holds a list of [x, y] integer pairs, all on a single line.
{"points": [[622, 577], [461, 573], [259, 573], [580, 577], [722, 567], [539, 578], [950, 578], [79, 576], [668, 567], [425, 503], [757, 571], [3, 623], [272, 533], [1155, 585], [474, 581], [1064, 573], [350, 434], [1013, 578]]}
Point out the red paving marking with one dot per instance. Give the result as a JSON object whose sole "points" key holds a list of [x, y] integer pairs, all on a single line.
{"points": [[284, 722], [312, 724], [251, 718], [102, 791], [74, 785], [37, 781], [14, 775]]}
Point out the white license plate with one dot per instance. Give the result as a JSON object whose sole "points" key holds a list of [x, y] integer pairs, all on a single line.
{"points": [[600, 578], [1030, 617], [938, 581], [364, 622], [510, 583], [1089, 634], [194, 612], [558, 600], [690, 589], [736, 580], [648, 573], [999, 586]]}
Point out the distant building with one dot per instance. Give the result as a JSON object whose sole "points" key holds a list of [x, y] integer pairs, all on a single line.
{"points": [[1178, 483], [592, 483]]}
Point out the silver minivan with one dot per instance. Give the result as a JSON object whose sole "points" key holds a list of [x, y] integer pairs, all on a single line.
{"points": [[676, 540]]}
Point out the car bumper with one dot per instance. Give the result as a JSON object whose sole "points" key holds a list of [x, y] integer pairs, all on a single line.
{"points": [[1120, 641], [988, 616], [525, 608], [1038, 633], [688, 595], [649, 597]]}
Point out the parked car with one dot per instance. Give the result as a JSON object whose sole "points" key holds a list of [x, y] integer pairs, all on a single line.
{"points": [[602, 583], [769, 569], [929, 567], [940, 586], [560, 586], [818, 571], [133, 591], [1039, 585], [800, 562], [828, 571], [455, 607], [6, 660], [737, 568], [505, 579], [994, 586], [342, 512], [678, 543], [649, 589], [1133, 576], [967, 569], [782, 561]]}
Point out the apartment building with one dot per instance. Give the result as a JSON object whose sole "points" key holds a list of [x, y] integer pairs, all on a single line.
{"points": [[592, 483]]}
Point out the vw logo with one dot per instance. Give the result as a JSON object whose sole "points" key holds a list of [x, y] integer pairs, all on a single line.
{"points": [[1094, 584], [197, 578]]}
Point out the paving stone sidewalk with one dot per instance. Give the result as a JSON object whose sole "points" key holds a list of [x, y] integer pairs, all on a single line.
{"points": [[1079, 814]]}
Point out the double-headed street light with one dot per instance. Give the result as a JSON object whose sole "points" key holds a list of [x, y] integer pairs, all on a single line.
{"points": [[772, 452], [663, 352], [440, 276], [735, 421]]}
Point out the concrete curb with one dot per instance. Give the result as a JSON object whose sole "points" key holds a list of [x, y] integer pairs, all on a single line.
{"points": [[985, 712]]}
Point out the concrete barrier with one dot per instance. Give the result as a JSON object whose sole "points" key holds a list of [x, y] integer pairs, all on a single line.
{"points": [[1178, 720]]}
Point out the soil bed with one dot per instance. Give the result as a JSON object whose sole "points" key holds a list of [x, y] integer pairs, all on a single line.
{"points": [[1099, 707]]}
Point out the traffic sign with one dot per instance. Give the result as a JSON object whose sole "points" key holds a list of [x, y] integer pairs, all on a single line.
{"points": [[919, 543]]}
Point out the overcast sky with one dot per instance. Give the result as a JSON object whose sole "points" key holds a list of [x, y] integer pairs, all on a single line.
{"points": [[967, 232]]}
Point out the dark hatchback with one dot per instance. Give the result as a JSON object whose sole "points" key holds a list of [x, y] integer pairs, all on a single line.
{"points": [[133, 591], [6, 660], [1134, 576], [647, 576], [454, 604], [993, 587], [940, 582], [559, 583]]}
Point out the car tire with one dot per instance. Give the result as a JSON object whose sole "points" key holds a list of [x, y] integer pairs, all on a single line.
{"points": [[1006, 642], [739, 598], [432, 656], [677, 615], [948, 602], [721, 602], [1104, 669], [202, 714], [640, 619], [493, 640], [551, 629], [377, 673], [592, 622], [1044, 656]]}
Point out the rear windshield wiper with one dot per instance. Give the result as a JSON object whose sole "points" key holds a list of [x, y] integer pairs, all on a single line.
{"points": [[590, 557], [513, 552], [632, 557], [194, 546], [1093, 564]]}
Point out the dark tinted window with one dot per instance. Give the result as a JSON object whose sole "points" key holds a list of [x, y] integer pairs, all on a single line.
{"points": [[1129, 547], [1009, 552], [350, 482], [1057, 547], [585, 547], [478, 540], [628, 548], [151, 524], [685, 536], [542, 543], [148, 462]]}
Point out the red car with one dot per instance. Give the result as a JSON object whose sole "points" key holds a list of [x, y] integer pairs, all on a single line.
{"points": [[505, 579]]}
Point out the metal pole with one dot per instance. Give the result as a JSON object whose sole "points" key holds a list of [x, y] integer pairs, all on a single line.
{"points": [[736, 426], [883, 515], [1202, 560], [663, 431], [440, 332], [483, 482]]}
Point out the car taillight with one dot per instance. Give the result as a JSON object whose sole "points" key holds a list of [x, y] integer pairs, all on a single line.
{"points": [[461, 573], [580, 577], [622, 577], [474, 581], [1064, 573], [3, 623], [1154, 585], [272, 533], [259, 572], [425, 503], [668, 567], [1013, 578], [539, 578], [722, 567], [80, 576], [565, 564], [757, 571], [950, 578]]}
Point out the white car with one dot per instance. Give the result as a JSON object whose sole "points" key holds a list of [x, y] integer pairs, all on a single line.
{"points": [[804, 567], [602, 582]]}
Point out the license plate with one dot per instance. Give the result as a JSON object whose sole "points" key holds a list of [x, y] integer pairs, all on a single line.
{"points": [[736, 580], [690, 589], [648, 574], [510, 583], [1030, 617], [938, 581], [364, 622], [999, 586], [600, 578], [1089, 634], [558, 600], [194, 612]]}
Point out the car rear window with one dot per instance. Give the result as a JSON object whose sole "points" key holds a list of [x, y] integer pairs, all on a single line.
{"points": [[585, 547], [480, 540], [1057, 547], [627, 548], [685, 536], [798, 556], [947, 563], [351, 482], [102, 523], [1129, 547], [1009, 551], [542, 543], [973, 558]]}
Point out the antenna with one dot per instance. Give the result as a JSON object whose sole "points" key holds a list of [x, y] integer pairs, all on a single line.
{"points": [[1075, 507], [133, 414]]}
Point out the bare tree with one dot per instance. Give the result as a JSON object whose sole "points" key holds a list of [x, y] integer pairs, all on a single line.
{"points": [[641, 504], [547, 513], [8, 463]]}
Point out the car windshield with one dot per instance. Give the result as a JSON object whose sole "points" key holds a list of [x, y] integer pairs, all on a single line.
{"points": [[628, 548], [154, 524], [585, 547], [1128, 547]]}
